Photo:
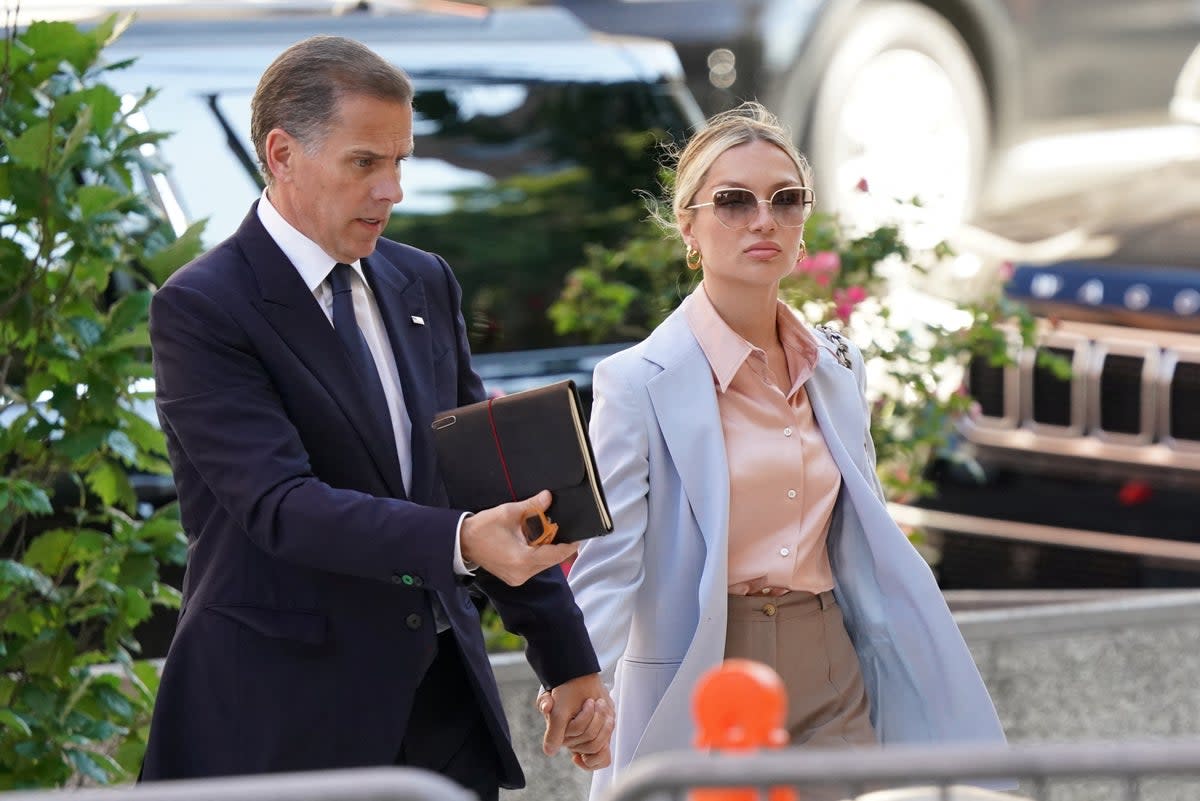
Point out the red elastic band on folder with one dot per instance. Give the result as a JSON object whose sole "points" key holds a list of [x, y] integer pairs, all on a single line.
{"points": [[500, 450]]}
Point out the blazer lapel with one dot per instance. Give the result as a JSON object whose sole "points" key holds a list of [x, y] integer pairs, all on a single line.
{"points": [[685, 404], [401, 301], [837, 405], [291, 309]]}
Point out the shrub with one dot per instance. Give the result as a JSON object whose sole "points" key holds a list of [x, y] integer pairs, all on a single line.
{"points": [[81, 247]]}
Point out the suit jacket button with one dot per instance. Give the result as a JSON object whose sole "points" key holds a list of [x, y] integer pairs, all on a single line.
{"points": [[413, 622]]}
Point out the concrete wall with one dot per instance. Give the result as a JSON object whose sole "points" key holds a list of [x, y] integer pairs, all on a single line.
{"points": [[1060, 667]]}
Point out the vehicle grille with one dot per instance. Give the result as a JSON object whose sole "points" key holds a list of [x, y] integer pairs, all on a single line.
{"points": [[1129, 397]]}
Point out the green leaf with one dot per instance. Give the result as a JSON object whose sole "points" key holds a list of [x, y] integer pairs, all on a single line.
{"points": [[83, 126], [17, 575], [112, 485], [148, 673], [136, 606], [131, 752], [61, 41], [50, 654], [86, 441], [137, 339], [126, 313], [52, 550], [32, 148], [88, 330], [97, 199], [111, 29], [11, 720], [113, 701], [177, 254], [120, 444], [97, 767], [23, 498], [139, 572]]}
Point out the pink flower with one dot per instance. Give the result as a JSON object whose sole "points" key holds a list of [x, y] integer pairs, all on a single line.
{"points": [[862, 185], [822, 266], [1006, 271], [846, 299]]}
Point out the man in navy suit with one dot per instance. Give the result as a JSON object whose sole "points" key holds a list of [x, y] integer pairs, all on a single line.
{"points": [[326, 620]]}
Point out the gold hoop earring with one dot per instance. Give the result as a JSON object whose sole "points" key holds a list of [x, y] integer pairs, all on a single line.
{"points": [[693, 259]]}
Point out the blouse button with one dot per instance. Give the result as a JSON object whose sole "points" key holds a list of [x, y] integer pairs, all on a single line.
{"points": [[787, 432], [791, 493], [784, 551]]}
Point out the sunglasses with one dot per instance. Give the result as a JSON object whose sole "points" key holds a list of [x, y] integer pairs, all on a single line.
{"points": [[737, 208]]}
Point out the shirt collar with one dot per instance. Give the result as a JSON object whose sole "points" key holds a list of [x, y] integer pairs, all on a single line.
{"points": [[724, 349], [727, 350], [313, 263]]}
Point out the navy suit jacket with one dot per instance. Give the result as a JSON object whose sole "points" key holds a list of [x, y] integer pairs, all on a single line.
{"points": [[307, 623]]}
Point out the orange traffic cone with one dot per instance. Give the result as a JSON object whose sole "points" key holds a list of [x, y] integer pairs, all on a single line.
{"points": [[740, 707]]}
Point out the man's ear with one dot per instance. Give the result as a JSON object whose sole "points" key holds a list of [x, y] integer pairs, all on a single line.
{"points": [[281, 151]]}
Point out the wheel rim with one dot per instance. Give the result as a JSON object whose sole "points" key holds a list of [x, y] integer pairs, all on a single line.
{"points": [[914, 142]]}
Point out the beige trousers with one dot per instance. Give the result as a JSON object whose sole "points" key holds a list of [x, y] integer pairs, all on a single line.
{"points": [[803, 637]]}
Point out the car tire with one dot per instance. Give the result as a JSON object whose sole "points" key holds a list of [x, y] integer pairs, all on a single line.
{"points": [[901, 104]]}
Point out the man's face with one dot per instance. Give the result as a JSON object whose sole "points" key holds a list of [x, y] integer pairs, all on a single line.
{"points": [[341, 194]]}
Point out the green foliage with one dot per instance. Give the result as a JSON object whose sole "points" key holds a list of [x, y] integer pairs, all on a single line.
{"points": [[915, 365], [496, 638], [79, 560], [512, 240]]}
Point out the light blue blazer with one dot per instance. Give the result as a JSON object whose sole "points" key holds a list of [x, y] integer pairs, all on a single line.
{"points": [[654, 591]]}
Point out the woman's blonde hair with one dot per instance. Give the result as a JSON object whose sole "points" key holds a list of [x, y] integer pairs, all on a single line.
{"points": [[749, 122]]}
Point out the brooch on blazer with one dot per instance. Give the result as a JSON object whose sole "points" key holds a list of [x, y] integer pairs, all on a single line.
{"points": [[843, 350]]}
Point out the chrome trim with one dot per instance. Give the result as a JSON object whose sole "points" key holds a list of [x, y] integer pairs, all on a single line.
{"points": [[1151, 547], [1089, 343], [1170, 361], [1078, 345], [1012, 389], [1149, 355]]}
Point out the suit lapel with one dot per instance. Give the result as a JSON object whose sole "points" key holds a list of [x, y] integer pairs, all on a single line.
{"points": [[837, 406], [290, 308], [685, 404], [401, 301]]}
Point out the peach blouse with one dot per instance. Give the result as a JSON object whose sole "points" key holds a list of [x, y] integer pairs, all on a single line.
{"points": [[783, 482]]}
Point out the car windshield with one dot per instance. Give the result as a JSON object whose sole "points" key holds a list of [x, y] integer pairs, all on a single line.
{"points": [[510, 181]]}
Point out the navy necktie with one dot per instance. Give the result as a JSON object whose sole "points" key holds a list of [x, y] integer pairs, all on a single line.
{"points": [[346, 325]]}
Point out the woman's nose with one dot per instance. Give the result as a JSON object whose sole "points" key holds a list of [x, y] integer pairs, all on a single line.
{"points": [[764, 217]]}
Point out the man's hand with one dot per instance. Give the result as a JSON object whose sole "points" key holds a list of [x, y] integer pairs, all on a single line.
{"points": [[579, 715], [494, 540]]}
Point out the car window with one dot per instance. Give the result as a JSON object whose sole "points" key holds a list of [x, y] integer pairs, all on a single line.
{"points": [[510, 181]]}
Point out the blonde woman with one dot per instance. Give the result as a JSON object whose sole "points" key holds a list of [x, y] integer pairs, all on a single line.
{"points": [[735, 451]]}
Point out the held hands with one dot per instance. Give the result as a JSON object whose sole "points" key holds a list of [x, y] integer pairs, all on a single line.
{"points": [[494, 540], [579, 715]]}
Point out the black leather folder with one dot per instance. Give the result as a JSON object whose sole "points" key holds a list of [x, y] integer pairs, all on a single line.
{"points": [[512, 447]]}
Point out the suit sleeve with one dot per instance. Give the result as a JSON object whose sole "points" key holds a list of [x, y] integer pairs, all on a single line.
{"points": [[609, 570], [230, 431], [542, 610]]}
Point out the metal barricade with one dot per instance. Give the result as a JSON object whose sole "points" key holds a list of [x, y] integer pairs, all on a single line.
{"points": [[1159, 770], [357, 784]]}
